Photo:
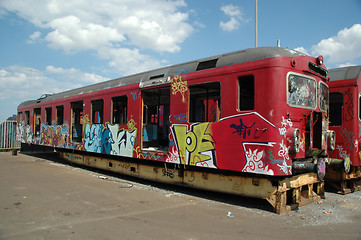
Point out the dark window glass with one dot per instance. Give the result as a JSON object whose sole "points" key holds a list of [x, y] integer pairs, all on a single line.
{"points": [[246, 93], [119, 112], [60, 115], [336, 105]]}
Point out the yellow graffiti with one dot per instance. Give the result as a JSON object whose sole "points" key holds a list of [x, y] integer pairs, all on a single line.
{"points": [[193, 145], [84, 121], [179, 86], [131, 125]]}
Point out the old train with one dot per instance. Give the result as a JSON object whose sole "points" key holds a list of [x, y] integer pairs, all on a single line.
{"points": [[252, 122], [343, 172]]}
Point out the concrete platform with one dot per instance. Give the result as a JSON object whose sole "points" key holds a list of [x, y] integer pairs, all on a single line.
{"points": [[41, 197]]}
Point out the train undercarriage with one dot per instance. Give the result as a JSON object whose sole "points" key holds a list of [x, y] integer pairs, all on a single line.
{"points": [[284, 194]]}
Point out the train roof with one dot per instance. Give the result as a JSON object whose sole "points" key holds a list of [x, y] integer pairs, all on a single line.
{"points": [[344, 73], [242, 56]]}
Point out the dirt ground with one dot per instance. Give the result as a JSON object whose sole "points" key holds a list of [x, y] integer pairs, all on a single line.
{"points": [[49, 199]]}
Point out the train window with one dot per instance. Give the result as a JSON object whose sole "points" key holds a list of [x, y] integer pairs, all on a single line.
{"points": [[97, 111], [60, 115], [336, 105], [323, 97], [205, 102], [246, 93], [302, 91], [20, 117], [119, 109], [48, 116], [27, 118], [37, 121], [76, 121]]}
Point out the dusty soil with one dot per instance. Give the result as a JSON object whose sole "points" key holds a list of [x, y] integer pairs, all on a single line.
{"points": [[44, 198]]}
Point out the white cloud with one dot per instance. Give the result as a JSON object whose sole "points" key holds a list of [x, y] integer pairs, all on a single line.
{"points": [[347, 64], [119, 27], [24, 84], [301, 49], [345, 46], [34, 37], [128, 61], [80, 25], [236, 17]]}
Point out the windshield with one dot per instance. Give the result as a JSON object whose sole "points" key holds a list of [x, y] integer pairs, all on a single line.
{"points": [[302, 91], [323, 97]]}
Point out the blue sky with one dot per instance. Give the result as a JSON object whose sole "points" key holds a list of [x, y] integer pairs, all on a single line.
{"points": [[54, 45]]}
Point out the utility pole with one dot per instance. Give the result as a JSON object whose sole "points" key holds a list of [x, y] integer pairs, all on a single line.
{"points": [[256, 43], [31, 76]]}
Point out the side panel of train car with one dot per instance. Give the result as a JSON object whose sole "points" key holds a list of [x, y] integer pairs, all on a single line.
{"points": [[259, 111], [344, 171]]}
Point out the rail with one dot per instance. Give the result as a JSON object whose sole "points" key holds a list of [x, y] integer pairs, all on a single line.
{"points": [[8, 140]]}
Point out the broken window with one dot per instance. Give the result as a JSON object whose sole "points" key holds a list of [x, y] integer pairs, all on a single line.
{"points": [[76, 121], [97, 111], [37, 121], [27, 118], [323, 97], [119, 109], [302, 91], [156, 107], [205, 102]]}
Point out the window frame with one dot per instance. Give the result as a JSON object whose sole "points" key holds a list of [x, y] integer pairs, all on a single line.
{"points": [[124, 108], [204, 116]]}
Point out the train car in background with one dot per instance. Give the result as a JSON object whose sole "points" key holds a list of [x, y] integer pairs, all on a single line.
{"points": [[252, 122], [343, 172]]}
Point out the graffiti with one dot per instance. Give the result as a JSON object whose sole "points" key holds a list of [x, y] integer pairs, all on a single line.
{"points": [[181, 117], [341, 152], [285, 123], [283, 152], [173, 156], [348, 105], [255, 164], [148, 155], [55, 135], [84, 121], [348, 138], [179, 86], [97, 139], [195, 146], [135, 95], [242, 129], [122, 141], [183, 70], [272, 158], [24, 133]]}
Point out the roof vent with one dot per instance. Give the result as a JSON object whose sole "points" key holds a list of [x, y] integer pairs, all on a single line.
{"points": [[156, 76], [207, 64]]}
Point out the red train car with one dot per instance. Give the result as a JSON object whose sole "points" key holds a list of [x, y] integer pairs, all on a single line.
{"points": [[251, 122], [345, 93]]}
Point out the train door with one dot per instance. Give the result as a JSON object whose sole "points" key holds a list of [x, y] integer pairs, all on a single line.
{"points": [[344, 121], [37, 123], [155, 132], [76, 121]]}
